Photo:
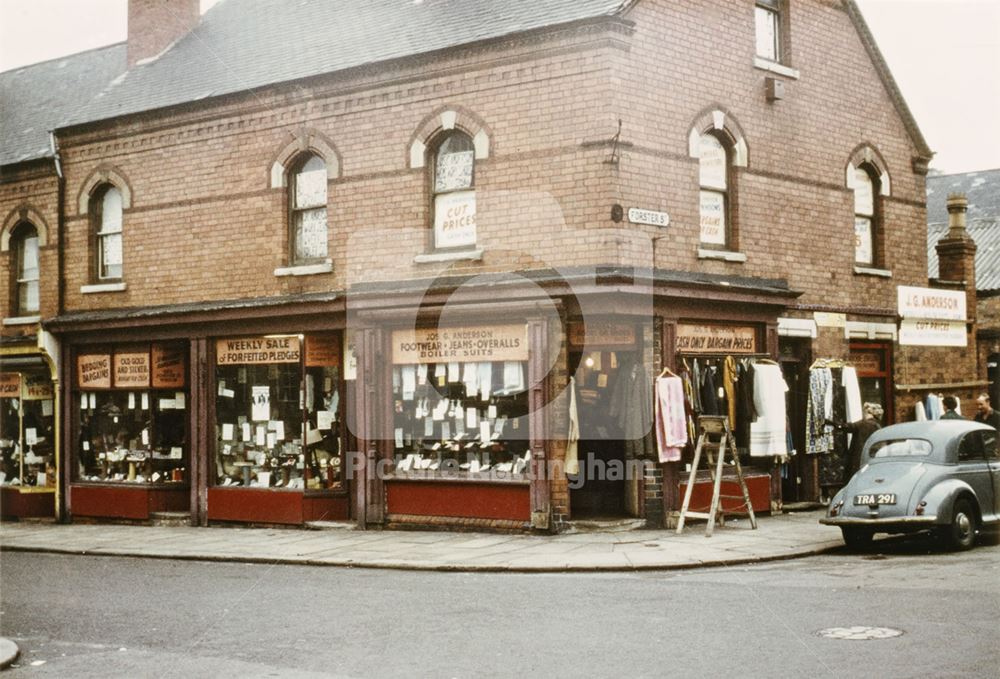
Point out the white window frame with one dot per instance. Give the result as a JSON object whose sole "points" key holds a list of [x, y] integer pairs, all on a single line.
{"points": [[24, 282], [107, 231]]}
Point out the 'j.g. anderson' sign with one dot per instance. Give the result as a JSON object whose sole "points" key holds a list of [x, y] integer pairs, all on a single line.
{"points": [[461, 345], [928, 303]]}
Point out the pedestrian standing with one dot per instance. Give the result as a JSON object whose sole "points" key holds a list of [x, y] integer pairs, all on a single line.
{"points": [[950, 404], [985, 412]]}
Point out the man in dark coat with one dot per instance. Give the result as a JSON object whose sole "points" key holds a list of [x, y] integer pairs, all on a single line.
{"points": [[860, 432], [985, 412], [950, 404]]}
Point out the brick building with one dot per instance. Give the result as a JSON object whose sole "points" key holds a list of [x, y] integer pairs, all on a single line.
{"points": [[340, 260]]}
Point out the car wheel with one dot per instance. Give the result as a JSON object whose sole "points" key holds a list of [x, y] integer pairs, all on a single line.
{"points": [[961, 533], [855, 537]]}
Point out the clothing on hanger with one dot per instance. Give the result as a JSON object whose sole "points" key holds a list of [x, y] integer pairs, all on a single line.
{"points": [[671, 432], [709, 393], [729, 387], [572, 460], [767, 433], [819, 435]]}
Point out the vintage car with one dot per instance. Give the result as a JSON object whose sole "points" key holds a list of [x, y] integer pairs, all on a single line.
{"points": [[941, 475]]}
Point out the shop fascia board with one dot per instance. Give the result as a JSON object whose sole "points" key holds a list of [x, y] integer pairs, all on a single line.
{"points": [[309, 308]]}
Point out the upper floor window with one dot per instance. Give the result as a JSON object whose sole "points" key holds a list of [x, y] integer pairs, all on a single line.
{"points": [[24, 245], [866, 222], [308, 200], [108, 234], [454, 193], [713, 172], [767, 18]]}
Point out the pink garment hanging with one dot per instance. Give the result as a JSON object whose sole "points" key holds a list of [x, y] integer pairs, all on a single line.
{"points": [[671, 429]]}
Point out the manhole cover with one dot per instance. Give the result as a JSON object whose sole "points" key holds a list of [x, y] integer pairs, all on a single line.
{"points": [[859, 633]]}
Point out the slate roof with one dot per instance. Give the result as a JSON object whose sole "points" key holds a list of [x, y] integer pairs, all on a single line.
{"points": [[241, 45], [35, 98], [983, 221]]}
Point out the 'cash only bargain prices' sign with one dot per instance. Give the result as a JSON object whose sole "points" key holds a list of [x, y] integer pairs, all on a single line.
{"points": [[460, 345]]}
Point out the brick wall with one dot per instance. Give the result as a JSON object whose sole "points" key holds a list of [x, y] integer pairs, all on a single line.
{"points": [[33, 193]]}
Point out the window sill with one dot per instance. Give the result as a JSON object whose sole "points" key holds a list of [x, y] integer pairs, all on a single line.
{"points": [[102, 287], [22, 320], [724, 255], [870, 271], [473, 255], [305, 269], [775, 67]]}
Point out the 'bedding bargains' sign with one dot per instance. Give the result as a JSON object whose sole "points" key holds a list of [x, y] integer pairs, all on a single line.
{"points": [[93, 371], [460, 345]]}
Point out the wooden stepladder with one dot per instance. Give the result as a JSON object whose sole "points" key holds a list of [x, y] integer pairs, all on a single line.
{"points": [[717, 441]]}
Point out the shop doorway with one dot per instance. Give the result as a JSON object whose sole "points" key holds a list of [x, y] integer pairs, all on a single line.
{"points": [[600, 490], [873, 362], [798, 477]]}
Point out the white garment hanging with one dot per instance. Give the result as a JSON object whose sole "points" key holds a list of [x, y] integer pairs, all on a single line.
{"points": [[921, 414], [767, 433], [852, 396], [573, 437]]}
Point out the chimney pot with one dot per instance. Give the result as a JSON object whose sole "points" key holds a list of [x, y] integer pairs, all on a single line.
{"points": [[958, 205]]}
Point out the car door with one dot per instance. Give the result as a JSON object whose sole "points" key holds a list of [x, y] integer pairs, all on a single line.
{"points": [[993, 462], [973, 469]]}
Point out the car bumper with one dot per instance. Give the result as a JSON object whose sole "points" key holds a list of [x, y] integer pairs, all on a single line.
{"points": [[909, 521]]}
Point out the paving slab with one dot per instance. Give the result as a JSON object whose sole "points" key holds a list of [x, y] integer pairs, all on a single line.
{"points": [[778, 537]]}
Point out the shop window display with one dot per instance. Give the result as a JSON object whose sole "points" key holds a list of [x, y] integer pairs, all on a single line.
{"points": [[461, 419], [27, 430], [278, 413], [133, 414]]}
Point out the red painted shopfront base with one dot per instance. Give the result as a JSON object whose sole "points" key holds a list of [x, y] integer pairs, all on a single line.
{"points": [[759, 486], [454, 499], [15, 504], [117, 502], [250, 505]]}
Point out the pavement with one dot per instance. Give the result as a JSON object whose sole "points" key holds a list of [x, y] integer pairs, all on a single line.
{"points": [[783, 536]]}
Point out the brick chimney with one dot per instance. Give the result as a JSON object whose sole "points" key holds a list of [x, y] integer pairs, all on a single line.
{"points": [[154, 24], [957, 252]]}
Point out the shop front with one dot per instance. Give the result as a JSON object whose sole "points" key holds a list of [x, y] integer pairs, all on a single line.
{"points": [[461, 427], [278, 440], [29, 434], [130, 421]]}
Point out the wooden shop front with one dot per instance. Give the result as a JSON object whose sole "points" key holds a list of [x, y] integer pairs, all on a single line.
{"points": [[29, 433]]}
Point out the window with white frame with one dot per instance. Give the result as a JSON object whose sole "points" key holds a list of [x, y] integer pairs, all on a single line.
{"points": [[108, 234], [308, 202], [865, 216], [24, 245], [767, 19], [713, 172], [454, 193]]}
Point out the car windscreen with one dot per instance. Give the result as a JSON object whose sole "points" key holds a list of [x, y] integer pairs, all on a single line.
{"points": [[900, 448]]}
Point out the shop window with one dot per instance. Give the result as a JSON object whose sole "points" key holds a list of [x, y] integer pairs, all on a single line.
{"points": [[27, 430], [715, 181], [107, 229], [308, 202], [768, 22], [461, 402], [866, 216], [24, 244], [454, 194], [132, 415], [279, 412]]}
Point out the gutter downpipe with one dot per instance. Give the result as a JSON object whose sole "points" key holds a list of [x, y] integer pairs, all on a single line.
{"points": [[61, 486]]}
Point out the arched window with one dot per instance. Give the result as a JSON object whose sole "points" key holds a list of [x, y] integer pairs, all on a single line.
{"points": [[454, 193], [714, 180], [107, 229], [24, 245], [307, 201], [866, 217]]}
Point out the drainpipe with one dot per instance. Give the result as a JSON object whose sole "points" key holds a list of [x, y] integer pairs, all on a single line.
{"points": [[60, 226]]}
